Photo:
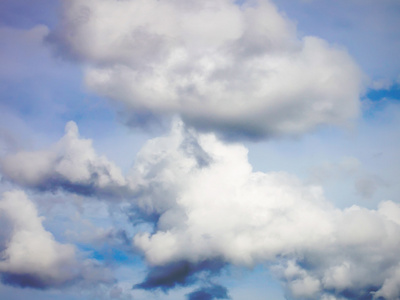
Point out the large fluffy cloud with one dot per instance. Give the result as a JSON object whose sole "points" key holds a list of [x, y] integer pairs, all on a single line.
{"points": [[29, 255], [236, 69], [71, 164], [211, 205], [208, 208]]}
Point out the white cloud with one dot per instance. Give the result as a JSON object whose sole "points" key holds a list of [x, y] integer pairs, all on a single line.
{"points": [[220, 208], [391, 287], [70, 164], [207, 203], [236, 69], [31, 256]]}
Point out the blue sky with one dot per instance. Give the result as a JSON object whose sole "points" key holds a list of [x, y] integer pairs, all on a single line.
{"points": [[199, 149]]}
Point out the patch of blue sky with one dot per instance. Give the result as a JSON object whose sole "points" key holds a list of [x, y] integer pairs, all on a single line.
{"points": [[392, 93], [45, 91], [13, 293], [122, 256], [367, 29], [255, 283], [26, 14], [356, 165], [39, 89], [110, 255]]}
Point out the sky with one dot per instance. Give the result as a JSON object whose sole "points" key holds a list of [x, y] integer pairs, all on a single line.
{"points": [[199, 150]]}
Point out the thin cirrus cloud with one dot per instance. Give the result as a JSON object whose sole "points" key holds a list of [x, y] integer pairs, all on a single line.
{"points": [[239, 70]]}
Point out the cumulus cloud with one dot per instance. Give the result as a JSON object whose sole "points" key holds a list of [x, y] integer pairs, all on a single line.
{"points": [[237, 69], [208, 208], [30, 256], [207, 200], [223, 210], [71, 164]]}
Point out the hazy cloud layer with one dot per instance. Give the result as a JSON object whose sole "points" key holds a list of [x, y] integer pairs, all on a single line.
{"points": [[224, 210], [71, 164], [237, 69]]}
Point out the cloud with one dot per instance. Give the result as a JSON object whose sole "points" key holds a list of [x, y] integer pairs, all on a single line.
{"points": [[30, 257], [223, 210], [71, 164], [199, 205], [182, 273], [209, 293], [207, 208], [236, 69]]}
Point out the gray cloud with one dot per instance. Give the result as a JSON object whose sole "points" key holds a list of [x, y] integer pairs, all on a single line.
{"points": [[239, 70], [209, 293], [182, 273]]}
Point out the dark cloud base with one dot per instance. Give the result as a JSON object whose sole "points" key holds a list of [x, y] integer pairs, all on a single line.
{"points": [[181, 273], [209, 293], [30, 281]]}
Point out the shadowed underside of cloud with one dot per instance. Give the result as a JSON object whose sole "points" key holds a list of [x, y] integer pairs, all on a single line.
{"points": [[209, 293], [239, 70], [225, 210], [181, 273], [71, 165]]}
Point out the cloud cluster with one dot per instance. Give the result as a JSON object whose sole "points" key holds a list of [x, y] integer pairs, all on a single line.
{"points": [[71, 165], [223, 210], [238, 69], [208, 208]]}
